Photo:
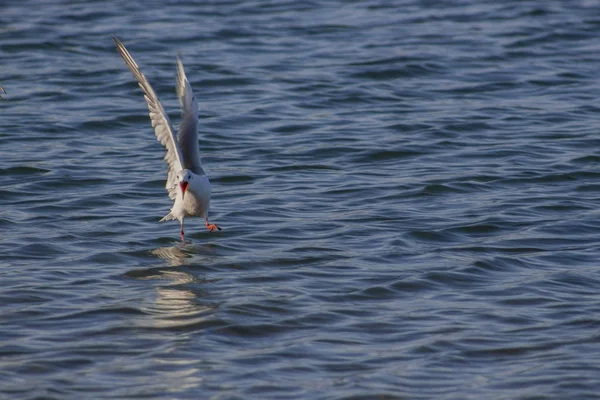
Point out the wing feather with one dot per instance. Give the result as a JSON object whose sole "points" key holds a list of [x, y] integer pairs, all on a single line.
{"points": [[160, 121], [188, 129]]}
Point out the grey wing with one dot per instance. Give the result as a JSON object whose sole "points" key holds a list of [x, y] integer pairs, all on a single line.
{"points": [[188, 130], [160, 121]]}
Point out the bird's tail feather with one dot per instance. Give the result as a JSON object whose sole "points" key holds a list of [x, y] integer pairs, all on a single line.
{"points": [[168, 217]]}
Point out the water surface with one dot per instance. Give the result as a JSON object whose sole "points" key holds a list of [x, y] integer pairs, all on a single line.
{"points": [[408, 195]]}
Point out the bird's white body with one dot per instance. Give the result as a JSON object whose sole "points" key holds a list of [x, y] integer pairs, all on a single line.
{"points": [[196, 201], [187, 183]]}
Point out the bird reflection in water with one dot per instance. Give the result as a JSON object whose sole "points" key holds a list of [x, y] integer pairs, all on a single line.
{"points": [[177, 255], [178, 305], [178, 302]]}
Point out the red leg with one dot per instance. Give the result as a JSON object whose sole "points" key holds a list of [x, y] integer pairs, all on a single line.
{"points": [[211, 227]]}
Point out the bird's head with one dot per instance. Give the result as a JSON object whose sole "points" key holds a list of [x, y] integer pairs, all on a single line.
{"points": [[183, 178]]}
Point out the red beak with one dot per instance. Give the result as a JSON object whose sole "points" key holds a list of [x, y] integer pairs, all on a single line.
{"points": [[183, 186]]}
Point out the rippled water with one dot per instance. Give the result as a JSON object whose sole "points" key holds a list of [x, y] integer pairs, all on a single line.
{"points": [[408, 195]]}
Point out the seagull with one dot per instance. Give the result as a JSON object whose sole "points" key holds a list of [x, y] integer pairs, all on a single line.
{"points": [[187, 183], [3, 91]]}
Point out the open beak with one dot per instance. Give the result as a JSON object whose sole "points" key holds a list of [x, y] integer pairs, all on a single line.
{"points": [[183, 186]]}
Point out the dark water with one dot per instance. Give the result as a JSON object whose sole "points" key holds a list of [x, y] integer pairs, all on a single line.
{"points": [[409, 196]]}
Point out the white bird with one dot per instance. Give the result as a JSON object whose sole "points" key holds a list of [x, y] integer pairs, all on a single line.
{"points": [[187, 183]]}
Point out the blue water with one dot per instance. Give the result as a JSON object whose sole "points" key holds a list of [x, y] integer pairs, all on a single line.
{"points": [[408, 194]]}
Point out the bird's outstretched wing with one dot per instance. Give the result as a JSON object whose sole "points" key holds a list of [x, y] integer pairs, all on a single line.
{"points": [[160, 121], [188, 130]]}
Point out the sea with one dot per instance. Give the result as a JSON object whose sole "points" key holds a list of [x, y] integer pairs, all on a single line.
{"points": [[408, 191]]}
